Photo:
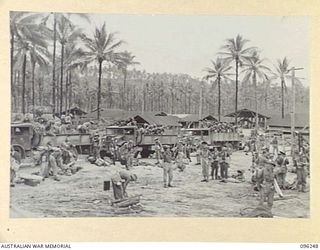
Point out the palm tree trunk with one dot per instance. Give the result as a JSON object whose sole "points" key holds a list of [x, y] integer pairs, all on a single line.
{"points": [[66, 93], [236, 104], [172, 102], [254, 79], [124, 89], [18, 90], [24, 83], [189, 103], [282, 98], [40, 79], [144, 100], [32, 86], [61, 79], [70, 90], [11, 61], [200, 106], [54, 63], [219, 98], [99, 90]]}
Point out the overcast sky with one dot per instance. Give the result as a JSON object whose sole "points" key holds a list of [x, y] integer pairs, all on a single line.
{"points": [[185, 44]]}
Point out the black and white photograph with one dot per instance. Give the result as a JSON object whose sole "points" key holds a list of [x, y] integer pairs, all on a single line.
{"points": [[127, 115]]}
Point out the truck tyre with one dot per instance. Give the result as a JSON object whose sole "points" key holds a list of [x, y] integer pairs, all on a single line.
{"points": [[145, 153]]}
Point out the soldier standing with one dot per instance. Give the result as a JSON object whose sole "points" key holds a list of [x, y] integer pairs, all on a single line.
{"points": [[224, 163], [128, 154], [205, 161], [214, 164], [96, 146], [158, 149], [167, 167], [300, 163], [267, 185], [282, 163]]}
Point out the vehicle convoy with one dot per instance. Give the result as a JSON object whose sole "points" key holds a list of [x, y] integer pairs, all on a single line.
{"points": [[169, 137], [24, 139]]}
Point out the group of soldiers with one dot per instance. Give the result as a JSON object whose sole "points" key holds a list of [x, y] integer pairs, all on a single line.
{"points": [[270, 170], [216, 160], [53, 161], [179, 156], [59, 160]]}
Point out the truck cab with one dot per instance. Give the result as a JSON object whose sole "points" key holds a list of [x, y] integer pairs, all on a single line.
{"points": [[121, 133], [23, 138]]}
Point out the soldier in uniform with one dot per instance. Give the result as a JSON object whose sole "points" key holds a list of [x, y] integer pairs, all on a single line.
{"points": [[282, 163], [205, 161], [267, 185], [52, 156], [96, 146], [224, 163], [167, 167], [158, 149], [120, 181], [128, 154], [215, 164], [14, 167], [198, 150], [300, 162]]}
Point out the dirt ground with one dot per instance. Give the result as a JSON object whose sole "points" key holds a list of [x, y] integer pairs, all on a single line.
{"points": [[82, 194]]}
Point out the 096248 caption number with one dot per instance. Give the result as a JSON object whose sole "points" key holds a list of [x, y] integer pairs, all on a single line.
{"points": [[309, 246]]}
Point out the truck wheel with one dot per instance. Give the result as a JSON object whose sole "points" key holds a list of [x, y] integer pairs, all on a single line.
{"points": [[145, 153]]}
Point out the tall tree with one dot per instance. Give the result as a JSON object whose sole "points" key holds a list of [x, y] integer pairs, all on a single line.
{"points": [[67, 33], [234, 50], [23, 28], [101, 48], [254, 68], [39, 55], [282, 72], [29, 43], [219, 71], [125, 60]]}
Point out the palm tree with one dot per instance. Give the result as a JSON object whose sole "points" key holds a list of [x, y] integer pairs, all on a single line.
{"points": [[30, 43], [22, 29], [67, 33], [56, 18], [125, 60], [72, 55], [235, 51], [101, 48], [219, 72], [39, 54], [253, 68], [282, 70]]}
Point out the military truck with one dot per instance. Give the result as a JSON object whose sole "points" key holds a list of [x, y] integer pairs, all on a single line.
{"points": [[142, 140], [24, 139], [215, 139]]}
